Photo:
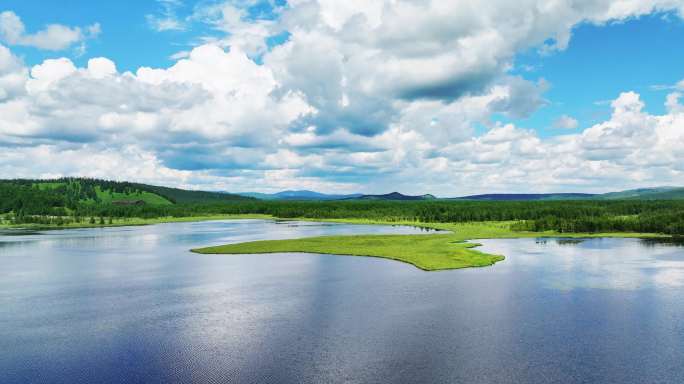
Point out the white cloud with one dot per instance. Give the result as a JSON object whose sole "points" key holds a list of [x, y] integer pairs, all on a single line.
{"points": [[55, 37], [101, 67], [180, 55], [123, 163], [565, 122], [353, 61], [12, 75], [212, 98], [167, 19], [239, 29], [631, 148]]}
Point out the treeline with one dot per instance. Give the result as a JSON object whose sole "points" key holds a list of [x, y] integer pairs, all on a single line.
{"points": [[563, 216], [30, 201], [652, 222], [79, 189], [26, 200]]}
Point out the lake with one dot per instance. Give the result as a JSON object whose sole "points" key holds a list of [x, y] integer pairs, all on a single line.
{"points": [[132, 304]]}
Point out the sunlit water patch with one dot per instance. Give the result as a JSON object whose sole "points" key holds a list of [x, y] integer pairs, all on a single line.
{"points": [[606, 263]]}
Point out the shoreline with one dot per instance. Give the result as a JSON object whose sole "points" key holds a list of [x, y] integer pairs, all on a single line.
{"points": [[451, 248], [429, 252], [450, 227], [135, 222]]}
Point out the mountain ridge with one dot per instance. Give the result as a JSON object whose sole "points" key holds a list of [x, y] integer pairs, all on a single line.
{"points": [[302, 194], [529, 196], [396, 196], [649, 193]]}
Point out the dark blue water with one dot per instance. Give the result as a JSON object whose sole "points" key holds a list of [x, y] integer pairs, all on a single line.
{"points": [[132, 305]]}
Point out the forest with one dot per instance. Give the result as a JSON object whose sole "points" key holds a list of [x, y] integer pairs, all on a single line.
{"points": [[81, 200]]}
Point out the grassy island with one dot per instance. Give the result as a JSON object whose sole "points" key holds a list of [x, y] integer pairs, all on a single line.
{"points": [[429, 252]]}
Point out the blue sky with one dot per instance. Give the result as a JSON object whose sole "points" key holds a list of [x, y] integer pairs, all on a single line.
{"points": [[368, 111], [600, 62], [603, 61], [126, 36]]}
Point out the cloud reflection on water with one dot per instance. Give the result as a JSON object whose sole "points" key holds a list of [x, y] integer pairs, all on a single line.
{"points": [[593, 263]]}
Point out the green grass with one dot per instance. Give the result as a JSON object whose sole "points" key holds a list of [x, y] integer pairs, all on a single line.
{"points": [[427, 252], [108, 196]]}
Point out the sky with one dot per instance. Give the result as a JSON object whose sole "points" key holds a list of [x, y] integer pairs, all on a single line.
{"points": [[417, 96]]}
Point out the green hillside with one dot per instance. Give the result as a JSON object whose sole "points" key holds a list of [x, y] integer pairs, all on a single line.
{"points": [[658, 193], [75, 191], [177, 195], [100, 193], [109, 196]]}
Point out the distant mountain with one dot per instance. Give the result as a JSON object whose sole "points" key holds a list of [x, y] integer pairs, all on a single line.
{"points": [[657, 193], [396, 196], [299, 195], [529, 196], [643, 193]]}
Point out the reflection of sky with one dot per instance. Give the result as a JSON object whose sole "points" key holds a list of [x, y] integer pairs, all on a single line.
{"points": [[133, 292], [593, 263], [133, 305]]}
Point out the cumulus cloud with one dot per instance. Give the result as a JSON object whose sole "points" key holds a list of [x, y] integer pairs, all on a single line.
{"points": [[361, 95], [632, 148], [214, 101], [12, 75], [55, 37], [358, 62]]}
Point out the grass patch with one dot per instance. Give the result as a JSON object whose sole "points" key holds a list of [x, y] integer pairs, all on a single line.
{"points": [[108, 196], [427, 252]]}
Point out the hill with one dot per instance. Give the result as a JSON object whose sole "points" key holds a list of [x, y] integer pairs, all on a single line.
{"points": [[177, 195], [657, 193], [529, 196], [396, 196], [299, 195], [73, 191]]}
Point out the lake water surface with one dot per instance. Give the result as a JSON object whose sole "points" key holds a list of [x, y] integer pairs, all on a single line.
{"points": [[132, 305]]}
